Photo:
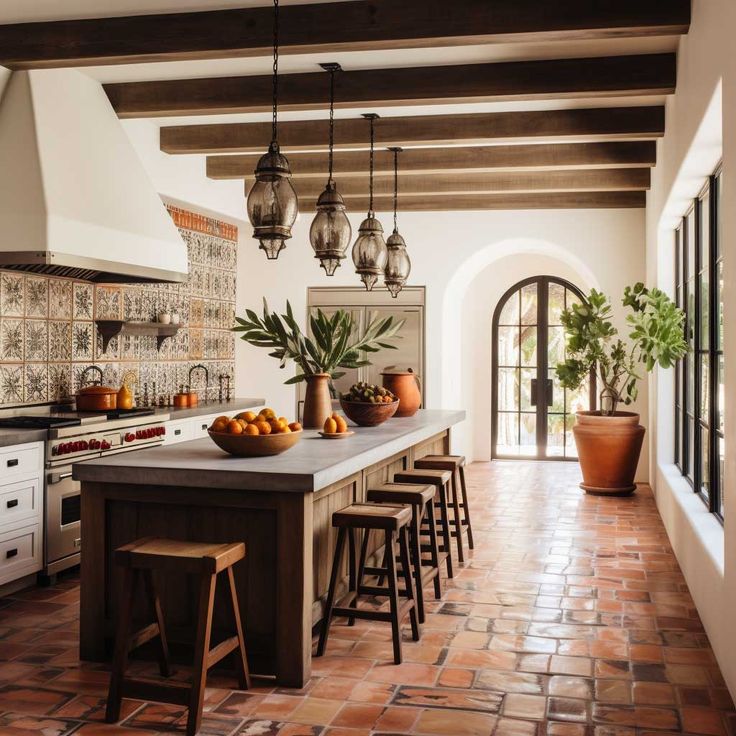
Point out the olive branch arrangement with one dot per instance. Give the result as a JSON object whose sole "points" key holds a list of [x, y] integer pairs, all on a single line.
{"points": [[333, 347]]}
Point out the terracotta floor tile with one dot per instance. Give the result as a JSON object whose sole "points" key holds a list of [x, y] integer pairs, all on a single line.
{"points": [[516, 705], [570, 618], [702, 721], [436, 722]]}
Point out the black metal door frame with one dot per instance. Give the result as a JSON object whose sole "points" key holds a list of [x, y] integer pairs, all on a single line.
{"points": [[541, 395]]}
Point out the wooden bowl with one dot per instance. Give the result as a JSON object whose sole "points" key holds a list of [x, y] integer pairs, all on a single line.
{"points": [[369, 415], [261, 445]]}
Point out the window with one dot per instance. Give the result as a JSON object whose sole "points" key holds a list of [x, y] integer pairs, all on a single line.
{"points": [[699, 391]]}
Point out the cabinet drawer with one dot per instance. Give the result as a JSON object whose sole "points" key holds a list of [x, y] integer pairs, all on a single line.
{"points": [[20, 503], [20, 460], [181, 431], [20, 553]]}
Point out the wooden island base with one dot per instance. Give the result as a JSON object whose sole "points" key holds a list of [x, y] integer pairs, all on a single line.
{"points": [[283, 579]]}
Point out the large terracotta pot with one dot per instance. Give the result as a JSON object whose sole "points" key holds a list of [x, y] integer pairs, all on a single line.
{"points": [[405, 385], [608, 449], [317, 401]]}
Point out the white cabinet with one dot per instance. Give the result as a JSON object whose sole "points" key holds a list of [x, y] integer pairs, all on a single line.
{"points": [[21, 510], [193, 428]]}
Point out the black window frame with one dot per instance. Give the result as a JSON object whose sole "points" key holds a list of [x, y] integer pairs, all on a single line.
{"points": [[697, 425]]}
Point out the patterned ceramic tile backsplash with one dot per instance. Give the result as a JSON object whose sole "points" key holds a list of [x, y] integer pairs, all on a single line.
{"points": [[48, 334]]}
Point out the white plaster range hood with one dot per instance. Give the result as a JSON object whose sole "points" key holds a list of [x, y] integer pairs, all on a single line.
{"points": [[75, 199]]}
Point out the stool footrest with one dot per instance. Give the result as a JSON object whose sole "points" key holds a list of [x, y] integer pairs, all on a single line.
{"points": [[143, 635], [361, 613], [222, 650], [164, 692]]}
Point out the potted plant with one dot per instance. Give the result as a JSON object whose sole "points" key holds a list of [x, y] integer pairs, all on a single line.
{"points": [[319, 359], [608, 440]]}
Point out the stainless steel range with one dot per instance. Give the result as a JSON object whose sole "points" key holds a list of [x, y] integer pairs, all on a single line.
{"points": [[74, 438]]}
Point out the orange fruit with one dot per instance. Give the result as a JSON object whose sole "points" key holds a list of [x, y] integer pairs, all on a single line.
{"points": [[268, 413], [251, 429], [285, 430], [284, 420], [295, 426], [220, 424], [223, 418], [341, 424], [330, 426], [263, 427], [248, 416], [234, 427]]}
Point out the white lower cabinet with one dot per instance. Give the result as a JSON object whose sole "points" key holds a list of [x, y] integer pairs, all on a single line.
{"points": [[21, 510], [182, 430]]}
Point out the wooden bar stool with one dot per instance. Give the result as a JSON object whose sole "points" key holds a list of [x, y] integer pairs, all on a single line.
{"points": [[394, 522], [441, 480], [140, 559], [456, 465], [420, 499]]}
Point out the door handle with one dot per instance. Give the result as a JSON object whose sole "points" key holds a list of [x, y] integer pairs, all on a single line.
{"points": [[534, 391], [58, 477], [550, 392]]}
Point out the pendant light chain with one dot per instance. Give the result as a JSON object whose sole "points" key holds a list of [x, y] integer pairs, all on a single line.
{"points": [[274, 124], [370, 200], [332, 125], [396, 186]]}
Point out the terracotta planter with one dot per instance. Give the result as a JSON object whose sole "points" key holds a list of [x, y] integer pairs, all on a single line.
{"points": [[405, 385], [317, 401], [608, 449]]}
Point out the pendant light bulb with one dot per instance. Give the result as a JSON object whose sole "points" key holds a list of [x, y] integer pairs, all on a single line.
{"points": [[272, 203], [369, 251], [331, 231], [398, 263]]}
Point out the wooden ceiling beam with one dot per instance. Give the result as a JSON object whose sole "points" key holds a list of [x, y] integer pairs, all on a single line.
{"points": [[456, 159], [587, 180], [327, 27], [427, 130], [513, 201], [650, 74]]}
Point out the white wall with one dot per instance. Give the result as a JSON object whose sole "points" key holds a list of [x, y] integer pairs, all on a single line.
{"points": [[700, 127]]}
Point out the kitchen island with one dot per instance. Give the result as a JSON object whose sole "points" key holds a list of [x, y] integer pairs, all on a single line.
{"points": [[280, 506]]}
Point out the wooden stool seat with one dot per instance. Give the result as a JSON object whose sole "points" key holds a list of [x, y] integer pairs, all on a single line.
{"points": [[393, 521], [187, 557], [420, 498], [372, 516], [431, 477], [456, 464], [402, 493], [139, 560], [440, 462]]}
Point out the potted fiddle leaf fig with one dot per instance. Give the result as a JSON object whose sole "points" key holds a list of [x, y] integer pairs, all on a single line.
{"points": [[334, 345], [609, 440]]}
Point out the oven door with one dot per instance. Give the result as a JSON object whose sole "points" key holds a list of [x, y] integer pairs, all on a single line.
{"points": [[63, 516]]}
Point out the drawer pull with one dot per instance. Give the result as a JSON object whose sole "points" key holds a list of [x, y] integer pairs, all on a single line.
{"points": [[11, 553], [78, 543], [177, 432], [12, 504], [204, 426], [12, 463]]}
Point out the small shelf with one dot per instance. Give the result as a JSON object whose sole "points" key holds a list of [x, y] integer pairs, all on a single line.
{"points": [[110, 328]]}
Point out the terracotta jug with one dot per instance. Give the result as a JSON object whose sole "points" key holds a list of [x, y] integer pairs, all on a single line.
{"points": [[317, 402], [405, 385]]}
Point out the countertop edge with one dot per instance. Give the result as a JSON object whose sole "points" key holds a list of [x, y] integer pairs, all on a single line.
{"points": [[238, 480]]}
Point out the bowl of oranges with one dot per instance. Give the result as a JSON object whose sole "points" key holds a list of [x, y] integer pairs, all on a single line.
{"points": [[255, 435]]}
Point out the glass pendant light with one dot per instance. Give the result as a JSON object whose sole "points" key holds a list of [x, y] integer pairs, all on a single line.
{"points": [[272, 201], [398, 263], [369, 250], [331, 231]]}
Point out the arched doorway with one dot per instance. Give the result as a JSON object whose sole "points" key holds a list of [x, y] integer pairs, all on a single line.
{"points": [[533, 415]]}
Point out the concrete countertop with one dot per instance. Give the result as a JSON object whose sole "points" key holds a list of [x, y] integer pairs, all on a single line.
{"points": [[311, 464], [9, 437], [213, 407]]}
